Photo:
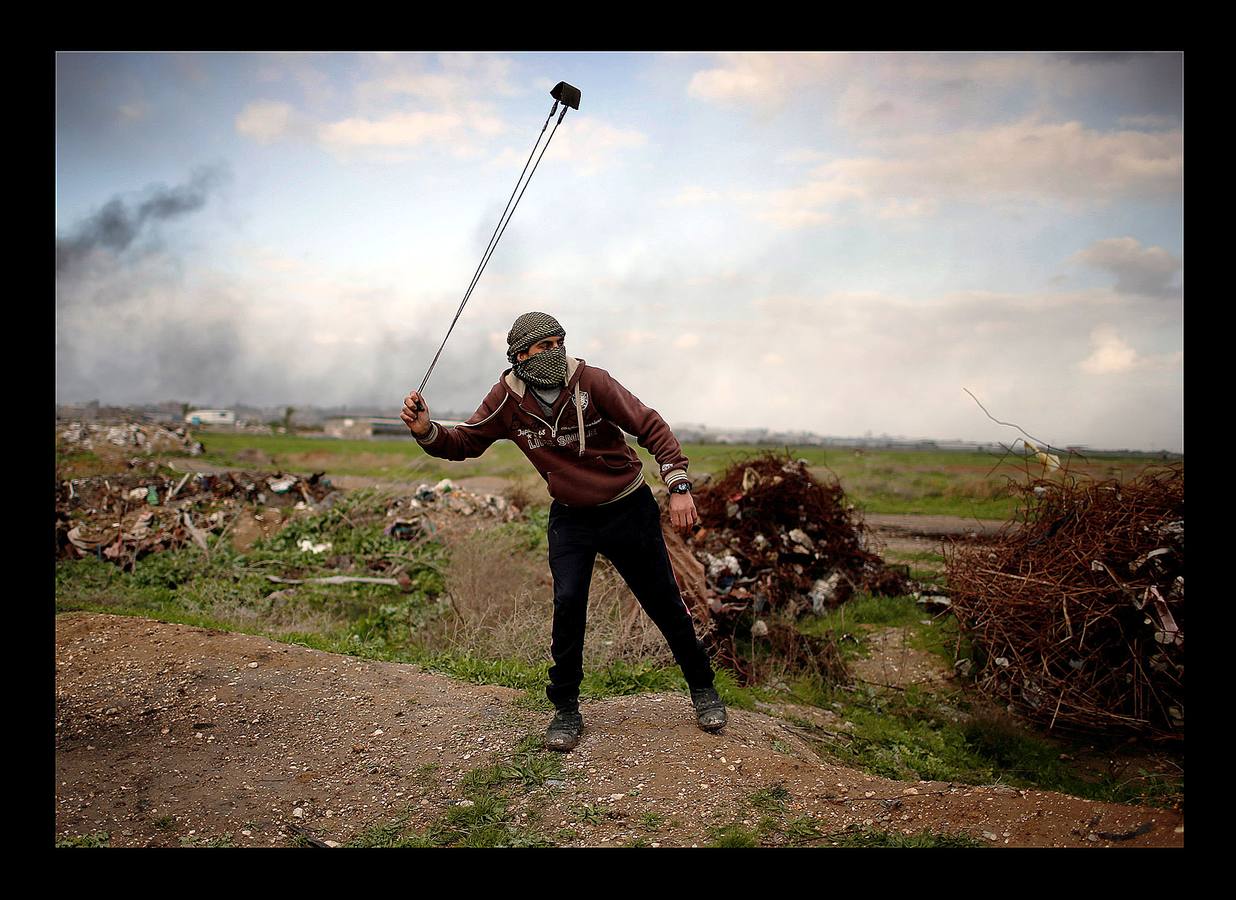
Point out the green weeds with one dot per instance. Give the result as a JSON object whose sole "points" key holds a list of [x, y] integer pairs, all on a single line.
{"points": [[101, 839], [864, 837]]}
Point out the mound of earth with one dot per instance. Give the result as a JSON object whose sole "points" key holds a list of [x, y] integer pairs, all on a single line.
{"points": [[169, 735]]}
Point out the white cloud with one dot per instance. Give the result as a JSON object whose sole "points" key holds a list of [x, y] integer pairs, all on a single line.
{"points": [[1145, 271], [266, 120], [1110, 354], [460, 78], [397, 130], [686, 340], [692, 195], [1149, 123], [632, 336], [401, 109], [767, 79], [1026, 161], [590, 145], [135, 111]]}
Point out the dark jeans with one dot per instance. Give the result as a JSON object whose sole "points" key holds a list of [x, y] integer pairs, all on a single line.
{"points": [[628, 533]]}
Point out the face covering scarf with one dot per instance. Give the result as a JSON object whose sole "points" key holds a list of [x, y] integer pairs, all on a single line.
{"points": [[545, 369]]}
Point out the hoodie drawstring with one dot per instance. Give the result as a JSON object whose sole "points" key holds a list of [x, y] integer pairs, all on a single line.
{"points": [[579, 413]]}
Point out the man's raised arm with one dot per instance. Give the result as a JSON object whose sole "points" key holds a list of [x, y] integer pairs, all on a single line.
{"points": [[464, 441]]}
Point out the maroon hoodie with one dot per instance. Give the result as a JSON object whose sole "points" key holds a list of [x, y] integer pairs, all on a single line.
{"points": [[599, 469]]}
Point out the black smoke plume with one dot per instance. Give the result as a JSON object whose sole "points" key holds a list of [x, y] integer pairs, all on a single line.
{"points": [[118, 224]]}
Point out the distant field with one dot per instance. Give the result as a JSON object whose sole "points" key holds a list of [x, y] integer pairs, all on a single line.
{"points": [[877, 481]]}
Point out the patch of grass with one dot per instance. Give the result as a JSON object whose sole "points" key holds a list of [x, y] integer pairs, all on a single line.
{"points": [[847, 625], [916, 734], [394, 459], [594, 813], [228, 590], [530, 767], [390, 834], [163, 823], [771, 799], [863, 837], [482, 818], [99, 839], [478, 670], [651, 821], [881, 481], [484, 823], [621, 679], [734, 835], [733, 693], [902, 556], [800, 830], [942, 638]]}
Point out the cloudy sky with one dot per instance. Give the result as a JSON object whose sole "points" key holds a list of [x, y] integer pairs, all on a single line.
{"points": [[835, 242]]}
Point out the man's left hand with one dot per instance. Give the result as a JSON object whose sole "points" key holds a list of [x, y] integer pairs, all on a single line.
{"points": [[682, 511]]}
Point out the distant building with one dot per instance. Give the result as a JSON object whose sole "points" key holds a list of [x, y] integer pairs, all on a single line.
{"points": [[348, 427], [210, 417]]}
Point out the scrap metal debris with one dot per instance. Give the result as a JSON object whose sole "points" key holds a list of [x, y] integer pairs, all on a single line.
{"points": [[1076, 610]]}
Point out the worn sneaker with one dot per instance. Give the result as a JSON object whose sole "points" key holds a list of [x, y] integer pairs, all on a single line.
{"points": [[563, 731], [709, 709]]}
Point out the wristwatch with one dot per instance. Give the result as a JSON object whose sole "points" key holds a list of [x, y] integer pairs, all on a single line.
{"points": [[682, 487]]}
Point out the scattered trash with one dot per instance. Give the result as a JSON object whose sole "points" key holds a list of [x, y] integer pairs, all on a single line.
{"points": [[406, 529], [823, 591], [1078, 605], [446, 495], [308, 546], [127, 516], [281, 485]]}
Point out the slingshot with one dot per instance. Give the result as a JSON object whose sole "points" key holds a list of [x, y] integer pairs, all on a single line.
{"points": [[567, 97]]}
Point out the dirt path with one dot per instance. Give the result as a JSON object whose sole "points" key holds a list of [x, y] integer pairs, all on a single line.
{"points": [[169, 735]]}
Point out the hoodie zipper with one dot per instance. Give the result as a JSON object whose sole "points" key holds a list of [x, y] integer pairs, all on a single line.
{"points": [[553, 428]]}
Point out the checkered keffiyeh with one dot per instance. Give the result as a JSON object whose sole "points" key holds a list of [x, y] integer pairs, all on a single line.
{"points": [[528, 329]]}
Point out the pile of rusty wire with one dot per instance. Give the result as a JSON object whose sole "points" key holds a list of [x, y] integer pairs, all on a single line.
{"points": [[1076, 611], [776, 543]]}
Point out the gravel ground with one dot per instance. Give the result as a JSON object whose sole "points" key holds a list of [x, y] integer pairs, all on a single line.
{"points": [[168, 735]]}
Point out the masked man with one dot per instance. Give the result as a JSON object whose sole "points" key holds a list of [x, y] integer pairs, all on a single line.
{"points": [[569, 418]]}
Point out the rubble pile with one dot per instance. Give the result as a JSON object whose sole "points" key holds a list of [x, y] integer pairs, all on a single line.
{"points": [[146, 437], [1076, 611], [421, 514], [776, 542], [125, 517], [774, 536]]}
